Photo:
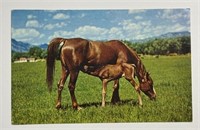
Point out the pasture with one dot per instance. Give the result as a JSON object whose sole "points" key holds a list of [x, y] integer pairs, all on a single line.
{"points": [[33, 104]]}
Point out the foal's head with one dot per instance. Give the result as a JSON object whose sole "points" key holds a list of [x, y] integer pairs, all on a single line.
{"points": [[146, 86]]}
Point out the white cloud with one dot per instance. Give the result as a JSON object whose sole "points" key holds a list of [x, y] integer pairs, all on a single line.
{"points": [[115, 33], [178, 27], [130, 26], [33, 23], [126, 30], [49, 27], [136, 30], [82, 15], [138, 17], [173, 15], [64, 34], [157, 30], [162, 29], [30, 16], [52, 26], [42, 35], [91, 32], [61, 16], [170, 14], [25, 35]]}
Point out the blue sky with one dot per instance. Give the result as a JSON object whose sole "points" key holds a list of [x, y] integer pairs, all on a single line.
{"points": [[40, 26]]}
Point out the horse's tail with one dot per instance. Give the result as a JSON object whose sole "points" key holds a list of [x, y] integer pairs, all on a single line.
{"points": [[52, 52]]}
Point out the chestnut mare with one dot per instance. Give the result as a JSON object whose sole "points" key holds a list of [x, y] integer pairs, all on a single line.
{"points": [[75, 53]]}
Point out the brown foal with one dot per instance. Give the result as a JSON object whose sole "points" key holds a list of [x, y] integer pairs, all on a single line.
{"points": [[110, 72]]}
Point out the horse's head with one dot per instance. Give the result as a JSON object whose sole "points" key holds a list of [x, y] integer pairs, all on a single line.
{"points": [[146, 86]]}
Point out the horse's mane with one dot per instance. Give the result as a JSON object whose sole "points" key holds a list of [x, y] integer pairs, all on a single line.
{"points": [[140, 68]]}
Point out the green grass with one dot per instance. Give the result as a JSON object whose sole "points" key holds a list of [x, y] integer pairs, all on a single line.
{"points": [[33, 104]]}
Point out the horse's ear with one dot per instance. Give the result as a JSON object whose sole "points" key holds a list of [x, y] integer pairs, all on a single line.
{"points": [[148, 75], [149, 78]]}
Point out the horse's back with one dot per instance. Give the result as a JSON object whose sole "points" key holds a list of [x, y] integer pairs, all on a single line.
{"points": [[79, 52], [125, 54]]}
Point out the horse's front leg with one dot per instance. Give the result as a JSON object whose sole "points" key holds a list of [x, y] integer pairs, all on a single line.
{"points": [[72, 83], [115, 95], [60, 86], [104, 86]]}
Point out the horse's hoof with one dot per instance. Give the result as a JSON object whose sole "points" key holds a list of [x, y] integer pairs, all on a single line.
{"points": [[79, 108], [58, 106], [102, 105], [115, 101], [140, 106]]}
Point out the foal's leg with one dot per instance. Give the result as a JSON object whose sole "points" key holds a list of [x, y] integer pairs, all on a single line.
{"points": [[139, 97], [136, 86], [115, 95], [60, 85], [72, 82], [104, 92]]}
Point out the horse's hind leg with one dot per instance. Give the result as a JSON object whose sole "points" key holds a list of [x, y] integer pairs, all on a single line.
{"points": [[72, 82], [60, 85], [115, 95]]}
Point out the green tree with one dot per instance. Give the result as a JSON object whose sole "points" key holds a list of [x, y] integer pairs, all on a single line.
{"points": [[185, 44], [162, 46], [17, 55], [44, 54], [35, 52]]}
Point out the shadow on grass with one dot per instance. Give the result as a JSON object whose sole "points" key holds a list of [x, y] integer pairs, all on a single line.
{"points": [[98, 104], [122, 102]]}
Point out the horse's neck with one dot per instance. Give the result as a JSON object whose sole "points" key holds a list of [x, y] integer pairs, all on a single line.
{"points": [[140, 70]]}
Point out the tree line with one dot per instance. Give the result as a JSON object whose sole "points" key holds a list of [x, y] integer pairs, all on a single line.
{"points": [[34, 52], [162, 46]]}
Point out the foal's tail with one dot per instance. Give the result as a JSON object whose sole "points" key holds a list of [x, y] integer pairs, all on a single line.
{"points": [[52, 52]]}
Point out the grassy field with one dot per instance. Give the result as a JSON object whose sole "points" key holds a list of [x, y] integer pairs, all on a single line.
{"points": [[33, 104]]}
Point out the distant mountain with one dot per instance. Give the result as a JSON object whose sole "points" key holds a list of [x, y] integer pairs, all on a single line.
{"points": [[174, 34], [166, 35], [19, 46], [43, 46]]}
